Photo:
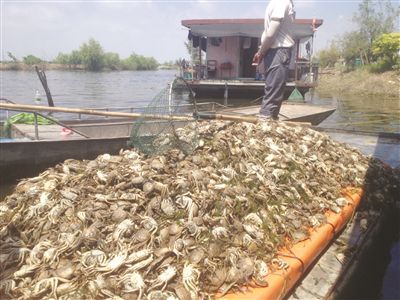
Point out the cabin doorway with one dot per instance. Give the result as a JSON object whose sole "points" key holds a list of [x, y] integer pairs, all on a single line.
{"points": [[249, 47]]}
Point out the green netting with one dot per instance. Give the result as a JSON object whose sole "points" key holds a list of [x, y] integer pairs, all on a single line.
{"points": [[296, 96], [25, 118], [167, 122]]}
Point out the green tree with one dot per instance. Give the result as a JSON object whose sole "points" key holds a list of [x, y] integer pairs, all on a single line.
{"points": [[139, 62], [373, 19], [92, 55], [386, 47], [328, 57], [129, 63], [75, 58], [112, 61], [62, 59], [31, 60], [353, 46]]}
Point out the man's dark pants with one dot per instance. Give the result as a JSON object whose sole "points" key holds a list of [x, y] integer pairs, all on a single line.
{"points": [[276, 65]]}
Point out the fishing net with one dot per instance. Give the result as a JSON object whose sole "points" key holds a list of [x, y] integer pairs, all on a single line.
{"points": [[167, 122]]}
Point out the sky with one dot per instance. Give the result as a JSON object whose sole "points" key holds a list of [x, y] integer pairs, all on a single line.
{"points": [[149, 27]]}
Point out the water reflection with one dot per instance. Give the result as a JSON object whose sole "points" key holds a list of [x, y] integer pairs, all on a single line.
{"points": [[363, 113]]}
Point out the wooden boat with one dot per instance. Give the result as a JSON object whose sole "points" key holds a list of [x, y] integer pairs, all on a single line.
{"points": [[33, 148], [290, 111]]}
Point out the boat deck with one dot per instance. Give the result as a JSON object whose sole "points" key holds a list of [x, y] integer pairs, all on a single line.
{"points": [[45, 132], [299, 112]]}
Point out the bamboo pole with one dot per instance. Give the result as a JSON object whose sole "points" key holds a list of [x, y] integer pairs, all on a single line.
{"points": [[209, 116], [35, 108], [188, 118]]}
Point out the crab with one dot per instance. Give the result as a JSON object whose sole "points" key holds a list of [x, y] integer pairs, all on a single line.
{"points": [[51, 255], [122, 228], [164, 278], [281, 264], [55, 213], [38, 250], [93, 258], [7, 286], [190, 279], [45, 284], [25, 270], [35, 210], [139, 255], [133, 282], [220, 233], [113, 264], [187, 203], [141, 264], [69, 241]]}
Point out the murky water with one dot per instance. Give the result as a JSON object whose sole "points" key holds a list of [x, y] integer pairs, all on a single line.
{"points": [[137, 88], [86, 89]]}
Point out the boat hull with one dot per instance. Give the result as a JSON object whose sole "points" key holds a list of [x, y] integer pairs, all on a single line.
{"points": [[28, 158]]}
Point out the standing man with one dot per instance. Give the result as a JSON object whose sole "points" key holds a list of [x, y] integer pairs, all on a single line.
{"points": [[275, 53]]}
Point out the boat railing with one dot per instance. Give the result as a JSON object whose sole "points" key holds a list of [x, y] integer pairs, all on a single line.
{"points": [[7, 101], [193, 107]]}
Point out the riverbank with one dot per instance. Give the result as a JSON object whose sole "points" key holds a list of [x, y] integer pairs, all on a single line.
{"points": [[359, 82]]}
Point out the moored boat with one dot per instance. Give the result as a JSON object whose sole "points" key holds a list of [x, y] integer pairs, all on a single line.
{"points": [[229, 46]]}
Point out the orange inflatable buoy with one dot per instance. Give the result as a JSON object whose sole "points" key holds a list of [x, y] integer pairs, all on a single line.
{"points": [[302, 254]]}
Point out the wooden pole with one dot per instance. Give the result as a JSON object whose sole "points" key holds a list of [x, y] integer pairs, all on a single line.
{"points": [[43, 80], [209, 116], [34, 108], [188, 118]]}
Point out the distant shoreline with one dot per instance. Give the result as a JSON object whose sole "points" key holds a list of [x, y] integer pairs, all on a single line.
{"points": [[11, 66]]}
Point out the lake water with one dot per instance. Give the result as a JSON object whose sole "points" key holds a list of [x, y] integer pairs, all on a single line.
{"points": [[137, 88]]}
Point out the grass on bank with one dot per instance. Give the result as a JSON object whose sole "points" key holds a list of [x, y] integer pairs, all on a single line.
{"points": [[360, 82]]}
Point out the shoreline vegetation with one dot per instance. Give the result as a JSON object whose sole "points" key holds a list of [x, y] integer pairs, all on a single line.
{"points": [[358, 82], [20, 66], [89, 57]]}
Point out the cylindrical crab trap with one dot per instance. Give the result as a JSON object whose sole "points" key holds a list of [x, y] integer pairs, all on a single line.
{"points": [[171, 126]]}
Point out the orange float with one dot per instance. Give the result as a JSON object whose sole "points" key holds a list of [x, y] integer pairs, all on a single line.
{"points": [[302, 254]]}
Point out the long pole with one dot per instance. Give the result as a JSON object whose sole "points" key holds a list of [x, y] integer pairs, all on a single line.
{"points": [[34, 108], [42, 77], [208, 116]]}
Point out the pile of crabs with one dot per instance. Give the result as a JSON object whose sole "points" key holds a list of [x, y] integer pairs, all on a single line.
{"points": [[178, 226]]}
